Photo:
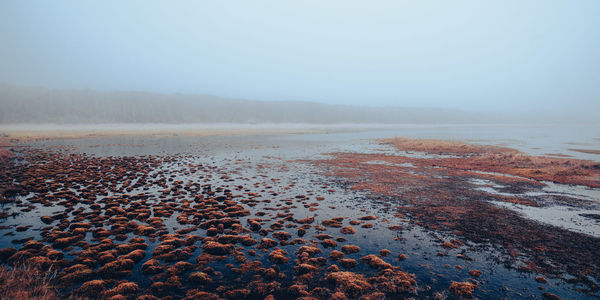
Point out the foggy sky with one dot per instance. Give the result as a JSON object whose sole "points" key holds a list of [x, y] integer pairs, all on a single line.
{"points": [[474, 55]]}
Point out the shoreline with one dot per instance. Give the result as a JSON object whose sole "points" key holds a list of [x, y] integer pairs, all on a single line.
{"points": [[18, 133], [26, 133]]}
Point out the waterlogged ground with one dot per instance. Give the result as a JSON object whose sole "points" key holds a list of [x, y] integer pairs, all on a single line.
{"points": [[329, 216]]}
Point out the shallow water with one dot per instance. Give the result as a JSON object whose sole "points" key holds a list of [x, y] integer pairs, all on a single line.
{"points": [[252, 161]]}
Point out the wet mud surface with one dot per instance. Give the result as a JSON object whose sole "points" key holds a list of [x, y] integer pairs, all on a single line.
{"points": [[284, 218]]}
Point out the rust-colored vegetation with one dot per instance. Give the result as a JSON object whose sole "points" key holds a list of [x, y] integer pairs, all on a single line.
{"points": [[27, 281], [108, 231], [5, 153], [121, 218], [432, 181], [588, 151], [505, 160], [442, 147]]}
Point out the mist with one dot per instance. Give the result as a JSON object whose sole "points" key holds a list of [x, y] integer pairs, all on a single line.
{"points": [[382, 149], [23, 105], [465, 61]]}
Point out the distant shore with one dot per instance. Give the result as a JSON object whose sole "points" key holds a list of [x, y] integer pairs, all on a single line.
{"points": [[24, 133], [33, 132]]}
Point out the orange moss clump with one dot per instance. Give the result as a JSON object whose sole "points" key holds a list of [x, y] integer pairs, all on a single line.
{"points": [[117, 268], [197, 294], [267, 243], [217, 248], [200, 277], [335, 255], [450, 245], [305, 268], [92, 288], [463, 289], [152, 266], [127, 289], [375, 262], [348, 230], [76, 273], [278, 256], [281, 235], [348, 262], [329, 243], [349, 283], [393, 281], [349, 249], [308, 250], [335, 222]]}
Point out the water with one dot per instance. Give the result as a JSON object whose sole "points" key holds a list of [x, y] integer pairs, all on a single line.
{"points": [[254, 160]]}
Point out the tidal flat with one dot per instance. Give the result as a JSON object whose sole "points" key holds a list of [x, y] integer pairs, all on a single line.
{"points": [[423, 212]]}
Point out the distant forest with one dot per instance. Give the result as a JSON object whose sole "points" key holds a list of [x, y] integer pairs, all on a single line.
{"points": [[20, 105]]}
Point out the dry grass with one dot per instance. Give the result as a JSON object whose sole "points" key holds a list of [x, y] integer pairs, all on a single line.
{"points": [[504, 160], [588, 151], [444, 147], [14, 134], [26, 282]]}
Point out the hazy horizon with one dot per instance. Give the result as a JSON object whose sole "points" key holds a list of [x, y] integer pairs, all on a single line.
{"points": [[498, 56], [202, 149], [39, 105]]}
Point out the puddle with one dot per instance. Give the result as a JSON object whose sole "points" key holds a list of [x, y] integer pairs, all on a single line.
{"points": [[560, 216]]}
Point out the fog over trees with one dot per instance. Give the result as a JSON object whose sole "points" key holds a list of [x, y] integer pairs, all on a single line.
{"points": [[36, 105], [40, 105]]}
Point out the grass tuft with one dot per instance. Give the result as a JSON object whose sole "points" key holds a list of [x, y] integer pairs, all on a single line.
{"points": [[27, 282]]}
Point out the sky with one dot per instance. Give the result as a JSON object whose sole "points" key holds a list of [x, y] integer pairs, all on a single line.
{"points": [[509, 55]]}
